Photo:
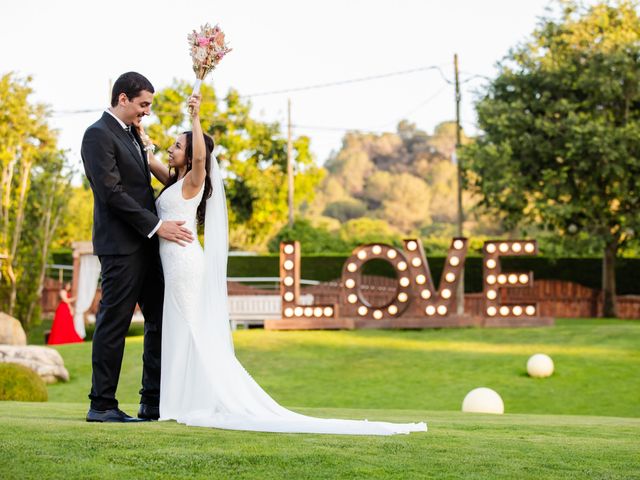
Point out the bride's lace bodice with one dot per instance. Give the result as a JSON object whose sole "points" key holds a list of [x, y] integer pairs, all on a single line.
{"points": [[182, 265]]}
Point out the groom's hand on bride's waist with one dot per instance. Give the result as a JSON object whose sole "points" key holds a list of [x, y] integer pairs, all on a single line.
{"points": [[175, 232]]}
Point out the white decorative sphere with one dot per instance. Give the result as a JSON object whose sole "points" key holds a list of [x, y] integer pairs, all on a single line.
{"points": [[540, 366], [483, 400]]}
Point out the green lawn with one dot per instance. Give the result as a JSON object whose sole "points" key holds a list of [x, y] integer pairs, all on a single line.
{"points": [[597, 366], [51, 441], [571, 425]]}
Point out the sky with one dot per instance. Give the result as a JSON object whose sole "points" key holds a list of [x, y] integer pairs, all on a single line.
{"points": [[73, 49]]}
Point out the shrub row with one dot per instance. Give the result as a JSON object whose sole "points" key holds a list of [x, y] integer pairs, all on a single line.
{"points": [[586, 271]]}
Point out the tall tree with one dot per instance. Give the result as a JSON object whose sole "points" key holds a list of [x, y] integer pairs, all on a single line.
{"points": [[48, 202], [561, 123], [401, 199], [29, 165], [78, 219]]}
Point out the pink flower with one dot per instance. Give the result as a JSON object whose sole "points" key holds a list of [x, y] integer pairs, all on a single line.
{"points": [[203, 41]]}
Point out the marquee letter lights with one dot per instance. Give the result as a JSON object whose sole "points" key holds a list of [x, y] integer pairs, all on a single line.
{"points": [[495, 280], [290, 287], [352, 276], [414, 282], [431, 301]]}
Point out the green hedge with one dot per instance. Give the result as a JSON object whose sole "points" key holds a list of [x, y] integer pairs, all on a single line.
{"points": [[586, 271], [62, 256], [19, 383]]}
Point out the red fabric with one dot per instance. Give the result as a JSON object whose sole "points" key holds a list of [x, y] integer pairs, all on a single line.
{"points": [[62, 330]]}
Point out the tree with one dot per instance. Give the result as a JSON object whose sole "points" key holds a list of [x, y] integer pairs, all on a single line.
{"points": [[78, 220], [561, 123], [402, 199], [313, 239], [253, 155], [351, 165], [392, 173], [344, 210], [444, 139], [46, 209], [32, 194], [360, 231]]}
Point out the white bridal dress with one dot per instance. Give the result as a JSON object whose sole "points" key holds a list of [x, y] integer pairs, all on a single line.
{"points": [[203, 384]]}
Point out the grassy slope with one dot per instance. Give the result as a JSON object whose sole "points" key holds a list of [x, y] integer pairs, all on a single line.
{"points": [[596, 368]]}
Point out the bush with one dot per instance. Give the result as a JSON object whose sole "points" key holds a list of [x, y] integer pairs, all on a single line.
{"points": [[135, 330], [62, 256], [361, 231], [21, 384], [345, 210], [312, 239]]}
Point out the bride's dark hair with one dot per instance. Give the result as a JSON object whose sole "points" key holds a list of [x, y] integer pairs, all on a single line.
{"points": [[188, 155]]}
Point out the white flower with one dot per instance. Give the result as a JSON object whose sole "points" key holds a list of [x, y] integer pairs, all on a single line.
{"points": [[201, 54]]}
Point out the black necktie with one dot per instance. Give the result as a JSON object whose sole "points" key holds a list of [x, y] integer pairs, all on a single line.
{"points": [[135, 142]]}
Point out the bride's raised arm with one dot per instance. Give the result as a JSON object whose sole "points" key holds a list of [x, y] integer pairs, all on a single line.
{"points": [[198, 156]]}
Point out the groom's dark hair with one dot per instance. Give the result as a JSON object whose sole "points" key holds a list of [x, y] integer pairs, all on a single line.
{"points": [[131, 84]]}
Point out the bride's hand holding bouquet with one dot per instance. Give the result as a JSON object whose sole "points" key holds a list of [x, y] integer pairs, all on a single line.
{"points": [[194, 105]]}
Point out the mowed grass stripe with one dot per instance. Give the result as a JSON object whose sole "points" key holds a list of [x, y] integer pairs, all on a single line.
{"points": [[52, 441]]}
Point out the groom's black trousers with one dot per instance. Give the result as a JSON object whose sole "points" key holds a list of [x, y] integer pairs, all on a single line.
{"points": [[127, 280]]}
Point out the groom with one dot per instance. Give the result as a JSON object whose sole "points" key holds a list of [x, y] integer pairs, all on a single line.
{"points": [[125, 239]]}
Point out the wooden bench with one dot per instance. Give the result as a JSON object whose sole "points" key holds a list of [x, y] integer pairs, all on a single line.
{"points": [[253, 310]]}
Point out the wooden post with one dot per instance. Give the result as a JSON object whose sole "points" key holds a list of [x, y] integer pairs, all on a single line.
{"points": [[290, 164], [460, 288]]}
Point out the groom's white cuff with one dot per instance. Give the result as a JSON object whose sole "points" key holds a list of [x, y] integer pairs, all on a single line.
{"points": [[155, 229]]}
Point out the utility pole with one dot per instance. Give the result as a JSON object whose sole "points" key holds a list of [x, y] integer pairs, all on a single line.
{"points": [[460, 291], [290, 164]]}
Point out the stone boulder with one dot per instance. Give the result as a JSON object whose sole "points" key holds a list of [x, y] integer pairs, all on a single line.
{"points": [[45, 361], [11, 331]]}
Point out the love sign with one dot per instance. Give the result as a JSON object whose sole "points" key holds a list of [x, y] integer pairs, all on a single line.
{"points": [[415, 286]]}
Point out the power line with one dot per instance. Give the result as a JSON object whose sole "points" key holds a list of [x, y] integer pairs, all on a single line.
{"points": [[418, 107], [339, 129], [378, 129], [315, 87], [473, 76], [56, 113], [349, 81], [374, 130], [303, 88]]}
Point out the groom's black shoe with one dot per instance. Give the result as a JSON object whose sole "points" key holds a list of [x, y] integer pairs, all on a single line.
{"points": [[115, 415], [148, 412]]}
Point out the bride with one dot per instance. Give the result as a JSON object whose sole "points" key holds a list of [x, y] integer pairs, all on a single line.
{"points": [[202, 382]]}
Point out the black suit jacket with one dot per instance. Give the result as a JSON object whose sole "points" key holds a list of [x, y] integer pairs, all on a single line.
{"points": [[124, 210]]}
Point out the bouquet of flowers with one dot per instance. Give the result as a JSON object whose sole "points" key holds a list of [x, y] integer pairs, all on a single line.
{"points": [[207, 48]]}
